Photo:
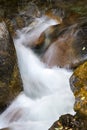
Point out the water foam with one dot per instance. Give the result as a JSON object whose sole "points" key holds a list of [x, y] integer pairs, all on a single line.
{"points": [[46, 94]]}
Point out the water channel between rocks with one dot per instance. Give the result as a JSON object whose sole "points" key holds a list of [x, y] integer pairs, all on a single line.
{"points": [[47, 94]]}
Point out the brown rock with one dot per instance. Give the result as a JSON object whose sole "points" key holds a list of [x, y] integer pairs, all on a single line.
{"points": [[10, 82], [69, 49], [69, 122], [56, 13]]}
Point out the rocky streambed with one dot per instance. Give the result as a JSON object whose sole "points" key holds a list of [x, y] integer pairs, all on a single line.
{"points": [[63, 45]]}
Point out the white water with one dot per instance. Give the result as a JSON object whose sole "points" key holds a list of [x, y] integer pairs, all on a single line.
{"points": [[31, 34], [47, 93]]}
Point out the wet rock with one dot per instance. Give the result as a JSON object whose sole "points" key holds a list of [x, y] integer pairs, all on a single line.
{"points": [[66, 122], [44, 41], [78, 82], [18, 14], [10, 82], [30, 9], [69, 122], [23, 17], [69, 49], [8, 8], [26, 13], [56, 13]]}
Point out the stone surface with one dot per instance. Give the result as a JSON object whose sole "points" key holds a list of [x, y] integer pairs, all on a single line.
{"points": [[69, 48], [10, 82], [78, 82], [23, 17], [69, 122]]}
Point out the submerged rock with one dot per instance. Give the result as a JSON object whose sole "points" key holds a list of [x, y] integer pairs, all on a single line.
{"points": [[10, 82], [78, 82]]}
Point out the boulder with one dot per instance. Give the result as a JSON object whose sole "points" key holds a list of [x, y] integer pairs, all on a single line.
{"points": [[68, 48], [69, 122], [10, 81], [78, 82]]}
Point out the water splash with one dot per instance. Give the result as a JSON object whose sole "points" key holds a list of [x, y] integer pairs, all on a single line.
{"points": [[47, 93], [32, 33]]}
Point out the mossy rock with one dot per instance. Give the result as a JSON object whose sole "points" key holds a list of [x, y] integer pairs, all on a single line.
{"points": [[69, 122], [78, 82]]}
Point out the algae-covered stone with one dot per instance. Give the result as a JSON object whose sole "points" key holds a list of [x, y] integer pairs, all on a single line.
{"points": [[10, 82], [78, 83]]}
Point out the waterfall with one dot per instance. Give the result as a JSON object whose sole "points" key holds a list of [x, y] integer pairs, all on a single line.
{"points": [[46, 94]]}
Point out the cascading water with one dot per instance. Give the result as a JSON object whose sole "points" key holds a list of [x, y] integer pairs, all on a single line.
{"points": [[46, 94]]}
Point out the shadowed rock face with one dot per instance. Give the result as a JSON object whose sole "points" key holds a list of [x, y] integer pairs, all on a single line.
{"points": [[10, 83], [68, 48], [78, 82]]}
